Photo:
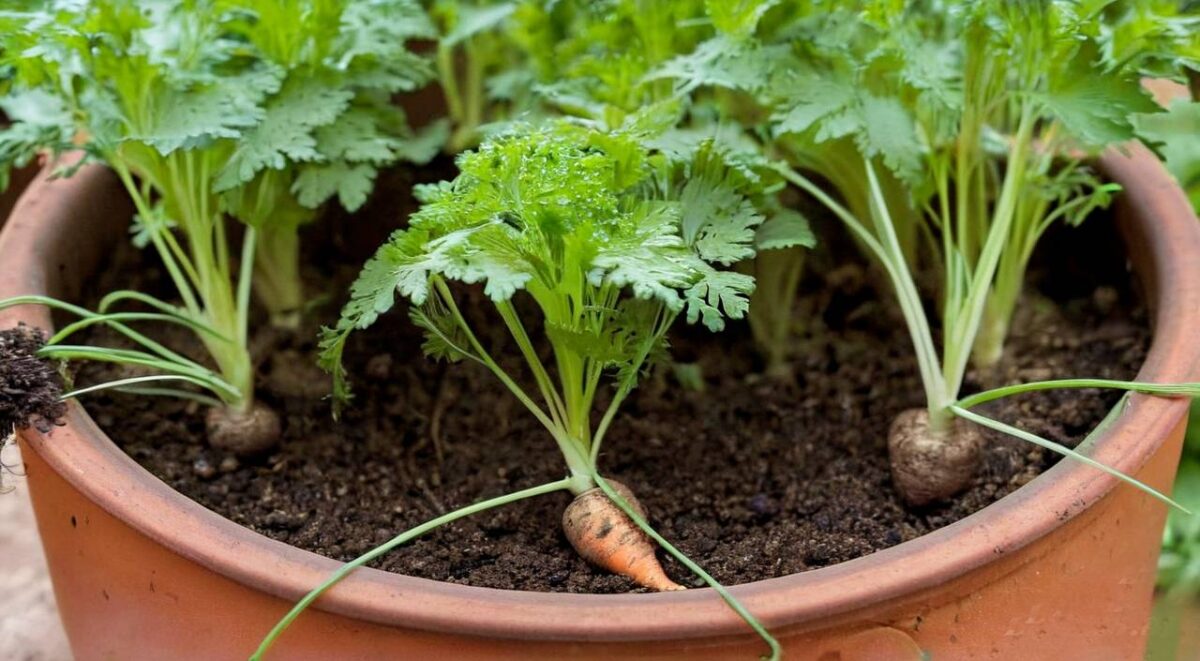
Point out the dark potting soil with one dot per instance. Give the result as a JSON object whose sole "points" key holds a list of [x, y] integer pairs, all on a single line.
{"points": [[752, 477]]}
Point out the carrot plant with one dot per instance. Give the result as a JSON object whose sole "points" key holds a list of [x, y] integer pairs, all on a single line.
{"points": [[953, 136], [984, 114], [610, 241], [204, 110], [730, 68], [605, 62], [328, 130]]}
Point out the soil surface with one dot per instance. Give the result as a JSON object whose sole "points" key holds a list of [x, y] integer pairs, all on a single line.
{"points": [[752, 477]]}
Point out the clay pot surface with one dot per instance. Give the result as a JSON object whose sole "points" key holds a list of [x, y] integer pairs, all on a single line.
{"points": [[1067, 562]]}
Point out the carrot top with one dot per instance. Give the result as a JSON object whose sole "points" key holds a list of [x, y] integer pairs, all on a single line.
{"points": [[610, 238]]}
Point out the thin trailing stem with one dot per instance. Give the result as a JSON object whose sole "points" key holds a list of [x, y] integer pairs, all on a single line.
{"points": [[737, 606], [398, 540], [125, 385], [565, 484], [88, 315], [140, 358], [77, 326], [1063, 450], [1162, 389]]}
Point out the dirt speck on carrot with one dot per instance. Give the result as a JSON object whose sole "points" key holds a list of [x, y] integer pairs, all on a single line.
{"points": [[590, 522]]}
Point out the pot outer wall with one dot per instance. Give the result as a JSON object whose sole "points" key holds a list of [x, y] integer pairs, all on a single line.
{"points": [[1066, 563]]}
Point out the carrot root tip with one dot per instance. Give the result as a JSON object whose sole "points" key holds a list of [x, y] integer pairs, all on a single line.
{"points": [[602, 534]]}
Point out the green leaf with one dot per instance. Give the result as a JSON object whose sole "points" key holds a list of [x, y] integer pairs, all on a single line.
{"points": [[723, 62], [599, 344], [737, 18], [472, 20], [890, 133], [373, 44], [22, 141], [352, 183], [428, 141], [354, 136], [286, 133], [830, 105], [444, 337], [646, 261], [785, 229], [1176, 135], [738, 151], [190, 118], [403, 265], [717, 295], [1095, 106], [716, 219]]}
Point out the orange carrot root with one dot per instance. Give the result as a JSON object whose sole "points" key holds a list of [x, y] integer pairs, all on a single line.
{"points": [[606, 537]]}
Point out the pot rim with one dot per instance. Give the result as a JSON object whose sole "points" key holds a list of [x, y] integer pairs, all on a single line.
{"points": [[1162, 235]]}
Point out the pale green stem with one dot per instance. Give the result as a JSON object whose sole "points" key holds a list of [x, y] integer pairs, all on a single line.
{"points": [[554, 403], [1063, 450], [1162, 389], [960, 338], [245, 277], [169, 259], [936, 393], [277, 282], [569, 448], [122, 384]]}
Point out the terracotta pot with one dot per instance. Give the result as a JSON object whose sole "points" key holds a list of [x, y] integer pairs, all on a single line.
{"points": [[1064, 563]]}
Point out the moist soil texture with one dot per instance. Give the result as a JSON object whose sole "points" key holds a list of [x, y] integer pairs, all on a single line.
{"points": [[751, 476]]}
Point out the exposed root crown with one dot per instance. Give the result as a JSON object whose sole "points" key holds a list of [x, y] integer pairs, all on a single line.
{"points": [[928, 467]]}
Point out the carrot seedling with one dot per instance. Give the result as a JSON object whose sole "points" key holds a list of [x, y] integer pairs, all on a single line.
{"points": [[611, 241], [594, 228]]}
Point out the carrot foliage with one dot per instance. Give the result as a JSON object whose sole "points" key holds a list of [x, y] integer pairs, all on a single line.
{"points": [[210, 110], [609, 238]]}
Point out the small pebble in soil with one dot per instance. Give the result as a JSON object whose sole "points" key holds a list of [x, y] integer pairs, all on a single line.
{"points": [[203, 468], [229, 464], [761, 504]]}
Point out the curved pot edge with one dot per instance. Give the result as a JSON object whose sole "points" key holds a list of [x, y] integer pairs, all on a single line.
{"points": [[287, 572]]}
